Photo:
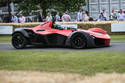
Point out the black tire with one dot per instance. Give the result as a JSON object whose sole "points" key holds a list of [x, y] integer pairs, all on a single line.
{"points": [[78, 41], [18, 41]]}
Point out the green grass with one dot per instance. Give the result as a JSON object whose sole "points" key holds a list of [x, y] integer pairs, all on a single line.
{"points": [[118, 38], [5, 39], [114, 38], [82, 62]]}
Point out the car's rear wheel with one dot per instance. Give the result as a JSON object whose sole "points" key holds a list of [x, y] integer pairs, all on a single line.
{"points": [[78, 41], [18, 41]]}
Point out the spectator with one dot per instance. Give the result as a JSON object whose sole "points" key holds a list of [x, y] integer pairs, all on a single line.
{"points": [[57, 17], [29, 19], [48, 17], [124, 15], [14, 18], [79, 15], [91, 19], [105, 15], [86, 16], [6, 18], [40, 17], [22, 19], [66, 17], [113, 15], [120, 16], [74, 19], [1, 20], [102, 17]]}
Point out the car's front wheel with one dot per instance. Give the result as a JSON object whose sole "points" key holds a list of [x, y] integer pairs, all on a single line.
{"points": [[18, 41], [78, 41]]}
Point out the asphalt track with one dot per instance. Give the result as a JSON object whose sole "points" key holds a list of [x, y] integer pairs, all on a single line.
{"points": [[114, 46]]}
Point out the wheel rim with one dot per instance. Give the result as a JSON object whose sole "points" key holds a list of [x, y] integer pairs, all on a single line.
{"points": [[18, 41], [78, 41]]}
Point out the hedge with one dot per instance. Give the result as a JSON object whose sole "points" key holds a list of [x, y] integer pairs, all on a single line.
{"points": [[106, 25]]}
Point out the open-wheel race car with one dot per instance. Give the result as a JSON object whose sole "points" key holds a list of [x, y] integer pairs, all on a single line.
{"points": [[52, 34]]}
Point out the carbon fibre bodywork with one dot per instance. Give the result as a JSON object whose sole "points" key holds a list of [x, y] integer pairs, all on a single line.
{"points": [[49, 35]]}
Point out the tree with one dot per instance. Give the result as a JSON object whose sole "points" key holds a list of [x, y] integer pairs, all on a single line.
{"points": [[69, 5], [27, 6], [8, 4], [57, 5]]}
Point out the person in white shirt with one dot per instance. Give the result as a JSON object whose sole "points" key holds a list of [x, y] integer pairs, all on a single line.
{"points": [[86, 16], [22, 19], [79, 15], [120, 16], [74, 19], [113, 15], [48, 17], [66, 17]]}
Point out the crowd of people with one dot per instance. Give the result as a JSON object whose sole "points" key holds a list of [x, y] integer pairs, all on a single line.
{"points": [[65, 17], [83, 17], [13, 18], [119, 16]]}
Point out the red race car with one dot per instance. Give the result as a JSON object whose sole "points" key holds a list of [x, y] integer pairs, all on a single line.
{"points": [[52, 34]]}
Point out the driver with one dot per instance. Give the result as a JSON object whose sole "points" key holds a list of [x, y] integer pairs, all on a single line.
{"points": [[56, 26], [53, 24]]}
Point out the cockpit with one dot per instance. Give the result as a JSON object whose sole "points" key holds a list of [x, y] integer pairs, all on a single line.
{"points": [[57, 26], [61, 27]]}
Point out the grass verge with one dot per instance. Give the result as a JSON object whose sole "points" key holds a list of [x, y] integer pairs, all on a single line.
{"points": [[117, 38], [5, 39], [82, 62]]}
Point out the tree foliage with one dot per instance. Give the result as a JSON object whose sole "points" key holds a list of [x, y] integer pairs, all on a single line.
{"points": [[69, 5], [5, 1], [58, 5], [27, 6]]}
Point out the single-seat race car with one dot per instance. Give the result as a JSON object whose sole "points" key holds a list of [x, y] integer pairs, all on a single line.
{"points": [[52, 34]]}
